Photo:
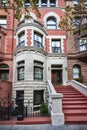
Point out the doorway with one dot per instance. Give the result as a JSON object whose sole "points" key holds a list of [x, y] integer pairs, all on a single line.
{"points": [[56, 76], [20, 100]]}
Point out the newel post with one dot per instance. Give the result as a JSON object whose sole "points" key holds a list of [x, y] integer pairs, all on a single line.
{"points": [[57, 115]]}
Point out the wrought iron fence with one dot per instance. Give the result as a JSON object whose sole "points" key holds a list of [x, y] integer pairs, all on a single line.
{"points": [[9, 112], [33, 112]]}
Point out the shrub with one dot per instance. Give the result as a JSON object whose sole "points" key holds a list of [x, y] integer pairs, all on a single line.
{"points": [[44, 109]]}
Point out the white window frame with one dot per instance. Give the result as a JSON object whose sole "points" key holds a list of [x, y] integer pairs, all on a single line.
{"points": [[3, 21]]}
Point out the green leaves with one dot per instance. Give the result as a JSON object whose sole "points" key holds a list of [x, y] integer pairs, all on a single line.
{"points": [[18, 5], [68, 20]]}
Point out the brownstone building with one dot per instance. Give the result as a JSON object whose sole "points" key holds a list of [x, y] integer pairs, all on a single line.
{"points": [[35, 50]]}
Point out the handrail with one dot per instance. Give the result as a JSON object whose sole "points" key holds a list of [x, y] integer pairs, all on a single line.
{"points": [[79, 86], [51, 88]]}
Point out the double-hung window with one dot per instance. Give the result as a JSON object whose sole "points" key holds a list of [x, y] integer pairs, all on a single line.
{"points": [[21, 40], [76, 71], [38, 97], [38, 70], [20, 70], [38, 40], [56, 46]]}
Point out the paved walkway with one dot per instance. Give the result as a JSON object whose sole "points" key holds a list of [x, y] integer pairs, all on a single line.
{"points": [[43, 127]]}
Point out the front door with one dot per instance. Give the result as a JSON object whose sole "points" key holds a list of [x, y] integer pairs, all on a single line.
{"points": [[56, 76]]}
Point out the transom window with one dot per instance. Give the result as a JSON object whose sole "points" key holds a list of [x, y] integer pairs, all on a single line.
{"points": [[4, 72], [76, 71], [56, 46], [38, 40], [83, 44], [51, 23], [21, 40], [38, 70], [20, 70], [3, 21]]}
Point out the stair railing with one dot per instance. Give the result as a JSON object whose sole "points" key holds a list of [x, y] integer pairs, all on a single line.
{"points": [[79, 86], [55, 105]]}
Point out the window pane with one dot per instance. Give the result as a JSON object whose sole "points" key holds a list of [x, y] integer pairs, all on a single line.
{"points": [[38, 97], [20, 68], [44, 3], [21, 39], [83, 44], [38, 70], [21, 73], [52, 3], [76, 71], [3, 21], [51, 23], [38, 40], [27, 3], [56, 46]]}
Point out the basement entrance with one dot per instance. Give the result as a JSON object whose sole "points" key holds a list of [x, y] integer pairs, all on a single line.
{"points": [[56, 74]]}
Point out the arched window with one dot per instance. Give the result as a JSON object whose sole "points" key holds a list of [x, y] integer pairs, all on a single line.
{"points": [[4, 72], [76, 71], [51, 23]]}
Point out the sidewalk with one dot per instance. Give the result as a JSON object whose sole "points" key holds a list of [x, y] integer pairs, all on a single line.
{"points": [[27, 121], [43, 127]]}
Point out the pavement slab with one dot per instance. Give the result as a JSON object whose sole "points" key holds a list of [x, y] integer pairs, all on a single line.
{"points": [[43, 127]]}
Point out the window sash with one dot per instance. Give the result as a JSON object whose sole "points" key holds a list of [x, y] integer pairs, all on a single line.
{"points": [[38, 73], [4, 74], [44, 3], [76, 72], [3, 22], [56, 46], [51, 23], [82, 44], [21, 40], [38, 97], [21, 73], [52, 3], [38, 41]]}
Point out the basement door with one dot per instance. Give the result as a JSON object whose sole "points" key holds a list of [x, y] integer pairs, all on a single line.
{"points": [[20, 100]]}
